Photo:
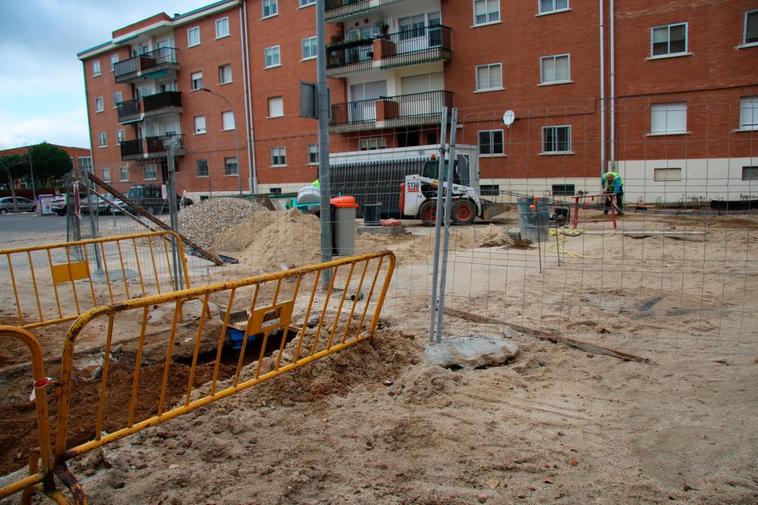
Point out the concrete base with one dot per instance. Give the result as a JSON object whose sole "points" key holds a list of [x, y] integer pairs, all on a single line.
{"points": [[473, 351], [382, 230]]}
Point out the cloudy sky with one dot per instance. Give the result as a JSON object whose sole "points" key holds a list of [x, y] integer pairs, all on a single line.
{"points": [[41, 81]]}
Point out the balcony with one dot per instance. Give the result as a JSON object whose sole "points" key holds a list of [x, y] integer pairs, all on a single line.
{"points": [[422, 44], [149, 148], [149, 65], [337, 10], [390, 112], [132, 111]]}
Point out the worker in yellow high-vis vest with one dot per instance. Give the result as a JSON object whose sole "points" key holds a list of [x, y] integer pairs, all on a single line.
{"points": [[613, 187]]}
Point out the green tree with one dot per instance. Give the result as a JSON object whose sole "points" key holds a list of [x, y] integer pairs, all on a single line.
{"points": [[11, 168], [48, 161]]}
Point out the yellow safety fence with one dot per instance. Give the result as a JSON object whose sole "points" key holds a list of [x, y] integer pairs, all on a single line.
{"points": [[185, 349], [55, 283]]}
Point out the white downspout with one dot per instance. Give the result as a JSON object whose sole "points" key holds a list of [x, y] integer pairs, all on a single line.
{"points": [[250, 137], [613, 83], [602, 85]]}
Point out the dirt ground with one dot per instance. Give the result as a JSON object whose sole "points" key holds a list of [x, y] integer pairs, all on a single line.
{"points": [[377, 424]]}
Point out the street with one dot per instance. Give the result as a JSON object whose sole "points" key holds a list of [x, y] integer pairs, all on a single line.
{"points": [[20, 226]]}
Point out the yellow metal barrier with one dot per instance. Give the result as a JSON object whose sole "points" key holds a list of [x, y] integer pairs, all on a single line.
{"points": [[284, 322], [55, 283]]}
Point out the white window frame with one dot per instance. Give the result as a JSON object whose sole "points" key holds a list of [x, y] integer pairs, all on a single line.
{"points": [[99, 104], [312, 44], [271, 51], [194, 80], [270, 115], [570, 140], [144, 172], [745, 43], [204, 129], [197, 169], [554, 10], [121, 171], [312, 149], [120, 135], [555, 57], [489, 67], [225, 118], [227, 162], [656, 107], [281, 153], [96, 69], [106, 174], [190, 31], [269, 3], [228, 28], [669, 54], [488, 13], [114, 59], [667, 174], [372, 143], [306, 3], [222, 76], [749, 169], [492, 144], [118, 97], [102, 139], [752, 123]]}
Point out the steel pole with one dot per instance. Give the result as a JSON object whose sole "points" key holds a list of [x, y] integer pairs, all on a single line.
{"points": [[172, 209], [437, 223], [31, 169], [324, 177]]}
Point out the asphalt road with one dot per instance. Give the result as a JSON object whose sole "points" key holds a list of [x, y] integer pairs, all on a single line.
{"points": [[28, 223]]}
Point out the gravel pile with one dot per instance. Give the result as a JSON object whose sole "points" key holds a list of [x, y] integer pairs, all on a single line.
{"points": [[204, 221]]}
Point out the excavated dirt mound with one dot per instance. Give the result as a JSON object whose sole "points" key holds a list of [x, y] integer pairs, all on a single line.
{"points": [[205, 221]]}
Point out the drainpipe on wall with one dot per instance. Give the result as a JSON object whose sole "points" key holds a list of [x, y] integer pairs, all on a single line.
{"points": [[612, 150], [602, 85], [250, 136]]}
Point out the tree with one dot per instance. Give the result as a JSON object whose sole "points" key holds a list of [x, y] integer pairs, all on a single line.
{"points": [[11, 168], [49, 161]]}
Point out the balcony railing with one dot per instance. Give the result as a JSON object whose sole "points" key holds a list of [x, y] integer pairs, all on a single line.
{"points": [[137, 109], [149, 147], [390, 112], [415, 45], [338, 9], [144, 63]]}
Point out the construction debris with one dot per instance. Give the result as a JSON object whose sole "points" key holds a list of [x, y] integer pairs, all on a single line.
{"points": [[204, 221]]}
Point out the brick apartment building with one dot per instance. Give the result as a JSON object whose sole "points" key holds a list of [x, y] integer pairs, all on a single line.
{"points": [[665, 92]]}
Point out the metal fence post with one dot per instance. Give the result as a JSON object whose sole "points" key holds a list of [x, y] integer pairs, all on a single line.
{"points": [[437, 225]]}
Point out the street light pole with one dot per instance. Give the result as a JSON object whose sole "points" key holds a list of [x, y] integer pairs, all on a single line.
{"points": [[31, 169], [236, 138]]}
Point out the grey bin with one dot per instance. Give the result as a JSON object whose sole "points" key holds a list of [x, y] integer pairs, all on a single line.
{"points": [[533, 221], [343, 225], [371, 214]]}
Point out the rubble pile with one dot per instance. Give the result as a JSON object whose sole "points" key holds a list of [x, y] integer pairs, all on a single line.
{"points": [[203, 222]]}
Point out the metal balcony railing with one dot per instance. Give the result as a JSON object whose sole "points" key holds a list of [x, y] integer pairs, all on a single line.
{"points": [[135, 109], [337, 9], [149, 147], [391, 111], [145, 62], [420, 44]]}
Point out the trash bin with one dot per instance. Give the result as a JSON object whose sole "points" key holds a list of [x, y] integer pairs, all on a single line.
{"points": [[372, 213], [343, 225], [533, 218]]}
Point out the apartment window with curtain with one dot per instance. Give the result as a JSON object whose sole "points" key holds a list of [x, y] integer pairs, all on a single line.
{"points": [[114, 60], [550, 6], [227, 120], [309, 48], [668, 40], [273, 56], [222, 28], [150, 172], [99, 104], [278, 156], [231, 167], [486, 11], [668, 118], [103, 138], [270, 8], [196, 80], [489, 77], [95, 68], [749, 113], [121, 135], [193, 36], [225, 74], [106, 175], [123, 174], [312, 154], [555, 69], [305, 3], [200, 125], [275, 106], [118, 97]]}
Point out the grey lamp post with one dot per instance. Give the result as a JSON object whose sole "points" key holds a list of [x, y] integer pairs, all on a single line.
{"points": [[236, 138]]}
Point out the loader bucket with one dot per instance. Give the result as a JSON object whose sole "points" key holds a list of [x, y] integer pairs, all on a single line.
{"points": [[491, 209]]}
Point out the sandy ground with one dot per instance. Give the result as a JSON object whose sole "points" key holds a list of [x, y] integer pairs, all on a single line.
{"points": [[555, 425]]}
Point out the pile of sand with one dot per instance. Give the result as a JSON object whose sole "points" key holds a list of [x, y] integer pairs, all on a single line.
{"points": [[205, 221], [291, 239]]}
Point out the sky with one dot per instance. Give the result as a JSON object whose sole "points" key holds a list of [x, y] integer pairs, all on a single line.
{"points": [[41, 81]]}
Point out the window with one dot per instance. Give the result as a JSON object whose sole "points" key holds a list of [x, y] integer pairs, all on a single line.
{"points": [[99, 104], [231, 167], [121, 135], [489, 77], [491, 142], [372, 143], [749, 113], [150, 172], [193, 36], [278, 156], [486, 11], [312, 154], [114, 60], [118, 97], [95, 68], [227, 120], [751, 27], [556, 139], [196, 80], [222, 28], [123, 174], [103, 137], [667, 174], [85, 163], [270, 8], [201, 168], [564, 189], [750, 173], [668, 40], [310, 48], [548, 6], [106, 175], [412, 26], [668, 118], [275, 106], [305, 3], [555, 69], [489, 189], [199, 125], [273, 57], [224, 74]]}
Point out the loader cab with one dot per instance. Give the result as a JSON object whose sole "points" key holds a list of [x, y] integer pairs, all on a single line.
{"points": [[461, 173]]}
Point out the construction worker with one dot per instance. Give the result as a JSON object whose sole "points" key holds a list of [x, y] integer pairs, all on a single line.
{"points": [[613, 185]]}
